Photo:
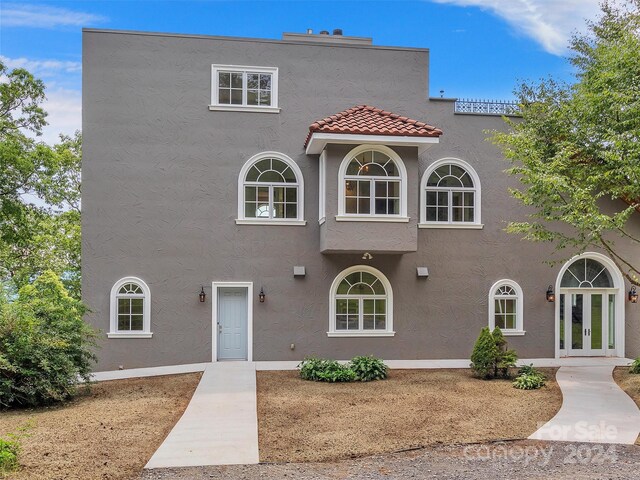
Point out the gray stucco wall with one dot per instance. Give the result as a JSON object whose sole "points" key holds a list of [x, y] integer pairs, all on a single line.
{"points": [[160, 199]]}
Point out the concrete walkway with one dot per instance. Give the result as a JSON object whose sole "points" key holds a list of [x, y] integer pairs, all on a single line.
{"points": [[220, 424], [594, 409]]}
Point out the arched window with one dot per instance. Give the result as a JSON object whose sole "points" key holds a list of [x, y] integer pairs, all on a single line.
{"points": [[361, 303], [271, 190], [505, 307], [130, 309], [450, 195], [586, 273], [372, 183]]}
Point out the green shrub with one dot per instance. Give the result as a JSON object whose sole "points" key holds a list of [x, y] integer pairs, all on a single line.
{"points": [[529, 378], [490, 357], [323, 370], [364, 369], [9, 450], [635, 366], [368, 368], [45, 346]]}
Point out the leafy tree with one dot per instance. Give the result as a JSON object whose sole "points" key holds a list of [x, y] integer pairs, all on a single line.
{"points": [[39, 188], [46, 349], [576, 148]]}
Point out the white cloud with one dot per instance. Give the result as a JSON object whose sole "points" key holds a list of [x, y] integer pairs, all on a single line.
{"points": [[42, 68], [40, 16], [64, 107], [549, 22]]}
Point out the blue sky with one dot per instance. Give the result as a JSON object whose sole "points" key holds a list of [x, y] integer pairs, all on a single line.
{"points": [[479, 48]]}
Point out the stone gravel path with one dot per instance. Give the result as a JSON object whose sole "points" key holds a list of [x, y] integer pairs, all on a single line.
{"points": [[525, 459]]}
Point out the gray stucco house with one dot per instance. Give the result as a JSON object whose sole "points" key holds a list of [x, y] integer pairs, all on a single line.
{"points": [[254, 199]]}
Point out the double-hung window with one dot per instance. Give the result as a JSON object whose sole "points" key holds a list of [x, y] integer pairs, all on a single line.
{"points": [[244, 88]]}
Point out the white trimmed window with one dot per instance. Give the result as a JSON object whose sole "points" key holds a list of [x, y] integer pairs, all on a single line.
{"points": [[271, 191], [130, 315], [373, 185], [361, 304], [505, 307], [243, 88], [450, 195]]}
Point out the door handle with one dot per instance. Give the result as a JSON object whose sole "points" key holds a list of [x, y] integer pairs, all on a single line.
{"points": [[219, 328]]}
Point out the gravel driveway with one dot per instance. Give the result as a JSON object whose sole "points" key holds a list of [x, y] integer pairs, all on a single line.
{"points": [[510, 460]]}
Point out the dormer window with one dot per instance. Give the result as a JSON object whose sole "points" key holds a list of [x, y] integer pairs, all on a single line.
{"points": [[239, 88], [372, 184]]}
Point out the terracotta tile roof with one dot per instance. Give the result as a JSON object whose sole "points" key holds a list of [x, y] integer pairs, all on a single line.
{"points": [[366, 120]]}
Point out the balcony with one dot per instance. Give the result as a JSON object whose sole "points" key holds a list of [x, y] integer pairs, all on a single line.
{"points": [[486, 107]]}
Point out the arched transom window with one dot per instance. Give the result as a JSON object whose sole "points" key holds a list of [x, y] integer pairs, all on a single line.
{"points": [[505, 307], [450, 194], [361, 303], [130, 305], [270, 189], [586, 273], [373, 183]]}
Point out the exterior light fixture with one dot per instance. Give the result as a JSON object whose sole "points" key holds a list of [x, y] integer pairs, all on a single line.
{"points": [[551, 297], [261, 295], [633, 294], [202, 295]]}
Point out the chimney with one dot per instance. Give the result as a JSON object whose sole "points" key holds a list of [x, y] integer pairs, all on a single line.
{"points": [[324, 32], [309, 31], [337, 31]]}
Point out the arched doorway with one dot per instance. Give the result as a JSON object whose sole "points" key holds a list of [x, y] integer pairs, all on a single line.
{"points": [[590, 307]]}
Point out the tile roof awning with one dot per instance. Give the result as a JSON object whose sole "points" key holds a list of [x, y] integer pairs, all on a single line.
{"points": [[366, 124]]}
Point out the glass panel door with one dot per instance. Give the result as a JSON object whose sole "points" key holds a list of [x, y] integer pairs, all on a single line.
{"points": [[577, 321], [595, 330], [586, 318]]}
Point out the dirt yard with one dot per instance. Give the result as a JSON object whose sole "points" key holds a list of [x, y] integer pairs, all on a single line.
{"points": [[302, 421], [109, 433], [630, 383]]}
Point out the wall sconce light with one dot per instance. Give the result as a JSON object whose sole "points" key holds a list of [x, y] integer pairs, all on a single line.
{"points": [[551, 297], [261, 295], [202, 295], [633, 294]]}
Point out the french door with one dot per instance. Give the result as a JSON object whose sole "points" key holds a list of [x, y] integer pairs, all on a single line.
{"points": [[587, 321]]}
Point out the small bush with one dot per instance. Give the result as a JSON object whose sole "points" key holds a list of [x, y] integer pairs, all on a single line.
{"points": [[368, 368], [45, 345], [635, 366], [9, 450], [490, 357], [529, 378], [364, 369]]}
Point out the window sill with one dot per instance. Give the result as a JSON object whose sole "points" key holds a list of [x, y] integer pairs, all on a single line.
{"points": [[371, 218], [245, 221], [360, 334], [513, 333], [129, 335], [463, 226], [243, 108]]}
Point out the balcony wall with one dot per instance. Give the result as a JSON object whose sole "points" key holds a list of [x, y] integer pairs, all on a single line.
{"points": [[369, 236]]}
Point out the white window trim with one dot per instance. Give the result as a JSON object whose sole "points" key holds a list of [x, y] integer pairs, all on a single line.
{"points": [[519, 297], [477, 213], [244, 69], [620, 290], [342, 215], [242, 220], [388, 332], [113, 315], [322, 187]]}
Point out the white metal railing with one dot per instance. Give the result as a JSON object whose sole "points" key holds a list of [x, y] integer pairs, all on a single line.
{"points": [[486, 107]]}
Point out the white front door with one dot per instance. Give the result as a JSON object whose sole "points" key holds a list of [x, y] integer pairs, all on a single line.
{"points": [[588, 319], [232, 323]]}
